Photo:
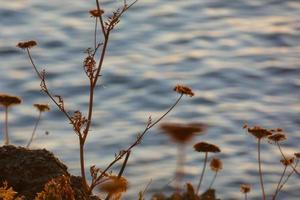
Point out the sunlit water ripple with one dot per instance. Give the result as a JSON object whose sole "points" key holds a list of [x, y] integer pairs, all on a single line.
{"points": [[240, 57]]}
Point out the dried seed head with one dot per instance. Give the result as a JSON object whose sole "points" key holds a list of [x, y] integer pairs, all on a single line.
{"points": [[181, 89], [216, 164], [297, 154], [287, 161], [7, 100], [96, 13], [259, 132], [27, 45], [42, 107], [182, 133], [206, 147], [245, 188], [114, 185], [277, 137]]}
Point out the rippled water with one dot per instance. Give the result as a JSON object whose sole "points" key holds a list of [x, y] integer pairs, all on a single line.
{"points": [[240, 57]]}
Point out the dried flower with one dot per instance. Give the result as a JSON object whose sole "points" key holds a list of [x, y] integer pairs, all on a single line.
{"points": [[259, 132], [114, 185], [96, 13], [277, 137], [27, 45], [181, 89], [206, 147], [182, 133], [42, 107], [216, 164], [287, 161], [245, 188], [7, 100], [297, 154]]}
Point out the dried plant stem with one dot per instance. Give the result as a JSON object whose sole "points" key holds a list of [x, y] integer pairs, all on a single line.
{"points": [[95, 34], [292, 166], [180, 165], [45, 89], [202, 173], [100, 17], [287, 178], [135, 143], [34, 129], [279, 182], [260, 170], [213, 180], [6, 140]]}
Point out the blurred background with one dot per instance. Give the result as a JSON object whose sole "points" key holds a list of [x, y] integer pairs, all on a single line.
{"points": [[240, 57]]}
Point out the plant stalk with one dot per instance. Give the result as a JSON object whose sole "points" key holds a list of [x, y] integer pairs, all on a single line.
{"points": [[34, 129], [260, 170], [279, 182], [6, 140], [202, 174]]}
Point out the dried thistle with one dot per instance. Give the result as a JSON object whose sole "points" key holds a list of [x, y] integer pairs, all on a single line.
{"points": [[277, 137], [206, 147], [182, 133], [96, 13], [259, 132], [7, 100], [181, 89], [216, 164], [27, 45], [287, 161], [42, 107], [245, 188], [114, 185], [297, 154]]}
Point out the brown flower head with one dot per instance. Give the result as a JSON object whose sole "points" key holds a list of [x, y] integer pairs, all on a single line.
{"points": [[216, 164], [7, 100], [277, 137], [114, 185], [297, 154], [27, 45], [42, 107], [96, 12], [181, 89], [245, 188], [206, 147], [182, 133], [287, 161], [259, 132]]}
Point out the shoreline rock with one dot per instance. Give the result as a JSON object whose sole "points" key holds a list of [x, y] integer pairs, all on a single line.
{"points": [[27, 171]]}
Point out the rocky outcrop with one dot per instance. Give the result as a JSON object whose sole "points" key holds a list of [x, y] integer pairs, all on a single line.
{"points": [[27, 171]]}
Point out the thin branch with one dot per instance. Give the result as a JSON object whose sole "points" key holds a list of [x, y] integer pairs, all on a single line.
{"points": [[279, 182], [34, 129], [101, 19], [45, 89], [135, 143]]}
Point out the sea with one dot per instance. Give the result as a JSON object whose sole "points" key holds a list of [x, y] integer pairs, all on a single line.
{"points": [[241, 59]]}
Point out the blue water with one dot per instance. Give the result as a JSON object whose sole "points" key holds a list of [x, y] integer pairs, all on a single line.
{"points": [[240, 57]]}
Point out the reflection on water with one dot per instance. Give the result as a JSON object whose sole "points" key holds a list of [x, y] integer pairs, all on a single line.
{"points": [[240, 57]]}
